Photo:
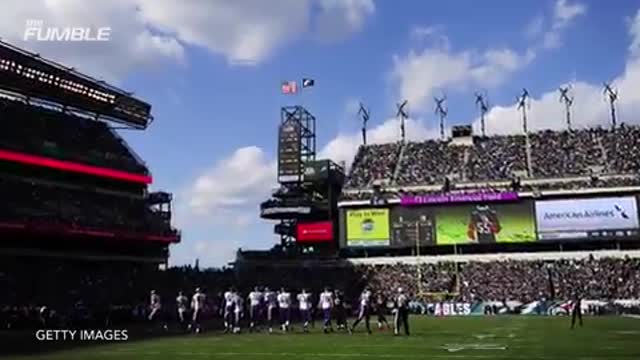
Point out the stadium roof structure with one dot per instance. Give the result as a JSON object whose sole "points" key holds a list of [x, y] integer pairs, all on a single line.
{"points": [[29, 74]]}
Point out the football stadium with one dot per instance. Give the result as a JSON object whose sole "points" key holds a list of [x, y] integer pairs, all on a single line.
{"points": [[466, 245]]}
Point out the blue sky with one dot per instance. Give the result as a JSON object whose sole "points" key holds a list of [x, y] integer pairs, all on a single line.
{"points": [[212, 71]]}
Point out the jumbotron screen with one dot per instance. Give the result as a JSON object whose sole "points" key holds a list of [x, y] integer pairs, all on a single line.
{"points": [[486, 223]]}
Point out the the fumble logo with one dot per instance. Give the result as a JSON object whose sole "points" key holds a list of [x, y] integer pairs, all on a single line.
{"points": [[36, 31]]}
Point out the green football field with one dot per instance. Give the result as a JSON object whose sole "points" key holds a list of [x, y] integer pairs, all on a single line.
{"points": [[506, 337]]}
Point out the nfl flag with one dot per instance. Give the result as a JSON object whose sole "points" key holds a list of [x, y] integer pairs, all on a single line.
{"points": [[308, 83], [289, 87]]}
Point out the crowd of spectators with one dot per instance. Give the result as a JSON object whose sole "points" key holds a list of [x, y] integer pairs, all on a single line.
{"points": [[429, 162], [52, 133], [497, 158], [540, 155], [622, 149], [28, 202], [557, 154], [373, 162], [526, 281]]}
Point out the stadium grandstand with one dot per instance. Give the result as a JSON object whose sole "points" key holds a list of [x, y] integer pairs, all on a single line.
{"points": [[77, 213]]}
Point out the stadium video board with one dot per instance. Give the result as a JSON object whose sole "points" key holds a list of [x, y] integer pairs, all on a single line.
{"points": [[289, 149], [485, 223], [598, 218], [411, 226], [367, 227], [314, 232]]}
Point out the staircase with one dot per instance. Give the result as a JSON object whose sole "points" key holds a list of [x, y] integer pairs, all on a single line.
{"points": [[605, 157], [527, 145], [399, 163], [464, 176]]}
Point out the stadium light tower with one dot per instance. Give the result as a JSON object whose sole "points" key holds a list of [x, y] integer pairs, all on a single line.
{"points": [[523, 103], [483, 105], [612, 95], [567, 98], [441, 111], [364, 114], [403, 115]]}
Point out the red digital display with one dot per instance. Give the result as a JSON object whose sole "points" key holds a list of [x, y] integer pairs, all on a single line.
{"points": [[315, 232], [73, 167]]}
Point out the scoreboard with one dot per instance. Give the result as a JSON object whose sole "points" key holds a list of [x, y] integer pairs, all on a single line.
{"points": [[289, 151]]}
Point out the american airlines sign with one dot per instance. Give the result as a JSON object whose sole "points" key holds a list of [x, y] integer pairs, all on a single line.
{"points": [[583, 215]]}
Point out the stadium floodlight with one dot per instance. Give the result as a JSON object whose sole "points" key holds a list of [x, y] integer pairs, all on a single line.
{"points": [[442, 111], [523, 104], [364, 114], [402, 115], [567, 98], [483, 104], [611, 94]]}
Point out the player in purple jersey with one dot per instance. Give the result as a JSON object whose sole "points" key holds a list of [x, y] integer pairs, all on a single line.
{"points": [[271, 303], [238, 311], [255, 301], [326, 305], [304, 305], [197, 305], [365, 311], [284, 304], [228, 307]]}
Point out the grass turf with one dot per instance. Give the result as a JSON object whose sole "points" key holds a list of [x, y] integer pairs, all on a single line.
{"points": [[508, 337]]}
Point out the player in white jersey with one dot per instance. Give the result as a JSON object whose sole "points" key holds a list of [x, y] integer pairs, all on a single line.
{"points": [[364, 313], [197, 305], [284, 303], [304, 305], [238, 308], [228, 307], [326, 304], [155, 309], [182, 306], [401, 310], [271, 302], [255, 301]]}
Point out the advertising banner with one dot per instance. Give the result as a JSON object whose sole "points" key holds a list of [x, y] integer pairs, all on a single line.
{"points": [[486, 223], [454, 198], [368, 227], [315, 232], [587, 218]]}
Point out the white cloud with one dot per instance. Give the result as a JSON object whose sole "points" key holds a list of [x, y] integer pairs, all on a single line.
{"points": [[233, 185], [243, 31], [564, 14], [340, 18], [420, 75], [147, 32]]}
